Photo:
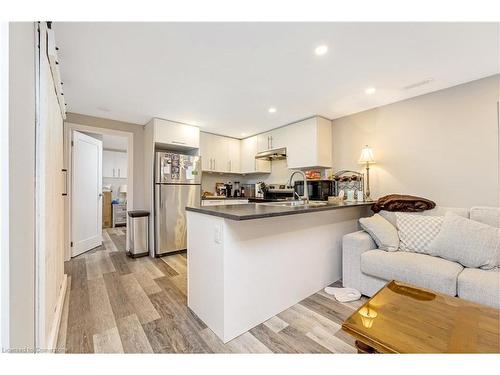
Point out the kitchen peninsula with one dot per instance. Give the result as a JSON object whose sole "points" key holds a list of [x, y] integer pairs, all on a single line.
{"points": [[247, 263]]}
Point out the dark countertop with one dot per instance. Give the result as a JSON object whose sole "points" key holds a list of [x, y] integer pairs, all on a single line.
{"points": [[252, 211], [221, 197]]}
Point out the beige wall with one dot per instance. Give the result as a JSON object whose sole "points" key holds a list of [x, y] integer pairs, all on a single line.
{"points": [[443, 145], [137, 130]]}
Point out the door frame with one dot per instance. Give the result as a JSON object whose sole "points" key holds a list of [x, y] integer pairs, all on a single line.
{"points": [[68, 136]]}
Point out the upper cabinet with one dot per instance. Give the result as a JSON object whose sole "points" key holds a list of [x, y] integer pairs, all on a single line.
{"points": [[273, 139], [176, 135], [114, 164], [219, 154], [309, 144], [233, 155], [249, 148]]}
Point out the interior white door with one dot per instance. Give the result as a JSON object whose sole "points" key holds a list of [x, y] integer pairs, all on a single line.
{"points": [[86, 197]]}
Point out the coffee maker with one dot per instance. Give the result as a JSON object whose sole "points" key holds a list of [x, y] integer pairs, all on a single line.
{"points": [[229, 188], [237, 192]]}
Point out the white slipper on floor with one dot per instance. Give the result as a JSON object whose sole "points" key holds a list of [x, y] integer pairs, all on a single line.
{"points": [[343, 294]]}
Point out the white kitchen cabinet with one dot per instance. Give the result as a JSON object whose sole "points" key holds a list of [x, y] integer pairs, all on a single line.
{"points": [[263, 142], [108, 163], [121, 162], [233, 155], [279, 137], [114, 164], [180, 136], [219, 154], [309, 144], [248, 163], [273, 139]]}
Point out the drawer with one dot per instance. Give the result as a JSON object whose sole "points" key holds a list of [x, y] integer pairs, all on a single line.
{"points": [[119, 208], [120, 216]]}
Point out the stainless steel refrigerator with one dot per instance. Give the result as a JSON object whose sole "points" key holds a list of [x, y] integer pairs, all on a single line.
{"points": [[177, 185]]}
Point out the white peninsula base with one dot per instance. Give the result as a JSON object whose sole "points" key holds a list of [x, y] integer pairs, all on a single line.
{"points": [[241, 273]]}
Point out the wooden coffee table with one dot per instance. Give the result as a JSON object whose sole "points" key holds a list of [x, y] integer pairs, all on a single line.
{"points": [[402, 318]]}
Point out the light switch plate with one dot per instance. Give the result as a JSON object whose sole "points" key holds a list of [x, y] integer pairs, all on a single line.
{"points": [[218, 233]]}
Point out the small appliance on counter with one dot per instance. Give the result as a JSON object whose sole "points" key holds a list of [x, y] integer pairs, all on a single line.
{"points": [[229, 188], [278, 192], [236, 191], [258, 190], [318, 190], [247, 190]]}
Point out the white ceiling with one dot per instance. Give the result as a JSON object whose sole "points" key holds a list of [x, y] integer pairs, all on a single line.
{"points": [[114, 142], [223, 77]]}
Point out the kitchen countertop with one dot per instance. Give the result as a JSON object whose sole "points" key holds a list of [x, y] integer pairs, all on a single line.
{"points": [[253, 211], [221, 197]]}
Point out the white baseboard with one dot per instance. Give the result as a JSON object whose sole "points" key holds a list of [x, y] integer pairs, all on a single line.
{"points": [[54, 331]]}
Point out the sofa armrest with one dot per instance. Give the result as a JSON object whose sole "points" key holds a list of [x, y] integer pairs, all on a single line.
{"points": [[353, 245]]}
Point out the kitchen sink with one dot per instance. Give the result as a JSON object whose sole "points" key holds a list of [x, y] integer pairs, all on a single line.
{"points": [[295, 204]]}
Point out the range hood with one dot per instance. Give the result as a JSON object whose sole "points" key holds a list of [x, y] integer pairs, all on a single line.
{"points": [[274, 154]]}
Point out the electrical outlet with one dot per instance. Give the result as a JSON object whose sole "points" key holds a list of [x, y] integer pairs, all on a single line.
{"points": [[218, 233]]}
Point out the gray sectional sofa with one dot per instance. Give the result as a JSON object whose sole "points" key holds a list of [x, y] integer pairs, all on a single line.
{"points": [[367, 268]]}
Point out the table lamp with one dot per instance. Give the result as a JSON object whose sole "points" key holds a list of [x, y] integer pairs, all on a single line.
{"points": [[367, 159]]}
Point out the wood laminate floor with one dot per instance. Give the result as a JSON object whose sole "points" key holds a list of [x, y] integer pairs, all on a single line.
{"points": [[115, 304]]}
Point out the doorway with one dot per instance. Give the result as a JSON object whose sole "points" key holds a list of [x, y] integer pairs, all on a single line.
{"points": [[107, 176]]}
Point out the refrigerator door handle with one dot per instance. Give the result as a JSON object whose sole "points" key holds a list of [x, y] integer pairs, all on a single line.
{"points": [[159, 195]]}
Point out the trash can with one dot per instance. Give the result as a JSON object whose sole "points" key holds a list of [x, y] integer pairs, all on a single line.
{"points": [[138, 226]]}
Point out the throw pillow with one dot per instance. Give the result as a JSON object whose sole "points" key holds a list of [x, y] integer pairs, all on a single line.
{"points": [[468, 242], [383, 232], [416, 232]]}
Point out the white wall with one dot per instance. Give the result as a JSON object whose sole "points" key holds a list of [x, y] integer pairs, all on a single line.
{"points": [[22, 184], [442, 146], [4, 185]]}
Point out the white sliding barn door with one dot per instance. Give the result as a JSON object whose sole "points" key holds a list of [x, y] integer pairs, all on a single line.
{"points": [[86, 198], [50, 186]]}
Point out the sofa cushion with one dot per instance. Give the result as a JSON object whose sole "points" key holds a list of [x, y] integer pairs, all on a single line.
{"points": [[418, 269], [437, 211], [480, 286], [416, 232], [486, 215], [471, 243], [383, 233]]}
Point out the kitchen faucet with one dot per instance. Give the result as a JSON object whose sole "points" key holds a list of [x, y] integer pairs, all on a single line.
{"points": [[306, 193]]}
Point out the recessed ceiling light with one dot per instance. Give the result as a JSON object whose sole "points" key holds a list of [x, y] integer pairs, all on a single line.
{"points": [[321, 50], [370, 90], [272, 110]]}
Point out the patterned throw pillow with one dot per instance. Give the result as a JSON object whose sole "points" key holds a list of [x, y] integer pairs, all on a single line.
{"points": [[416, 232]]}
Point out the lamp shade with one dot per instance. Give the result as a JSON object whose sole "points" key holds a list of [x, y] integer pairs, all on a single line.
{"points": [[122, 189], [366, 156]]}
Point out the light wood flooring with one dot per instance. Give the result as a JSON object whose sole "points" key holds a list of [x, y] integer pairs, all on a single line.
{"points": [[115, 304]]}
